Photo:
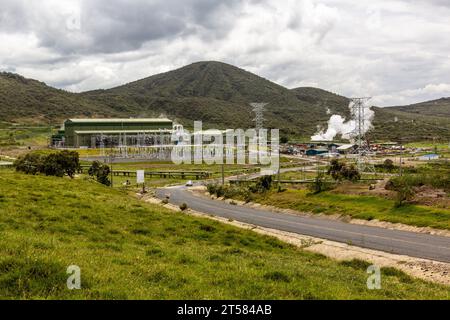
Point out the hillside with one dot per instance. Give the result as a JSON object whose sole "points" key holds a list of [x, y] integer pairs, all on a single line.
{"points": [[216, 93], [437, 108], [30, 101], [395, 123], [128, 249]]}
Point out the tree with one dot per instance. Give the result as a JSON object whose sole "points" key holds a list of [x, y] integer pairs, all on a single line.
{"points": [[388, 164], [61, 163], [101, 172], [52, 166], [69, 161], [404, 192], [31, 163], [262, 185], [341, 171], [318, 185], [55, 164], [350, 173], [335, 169]]}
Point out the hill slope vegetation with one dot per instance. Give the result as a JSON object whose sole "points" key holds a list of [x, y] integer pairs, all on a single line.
{"points": [[31, 101], [217, 94]]}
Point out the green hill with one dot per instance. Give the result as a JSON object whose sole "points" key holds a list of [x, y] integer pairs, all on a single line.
{"points": [[30, 101], [438, 108], [218, 94], [424, 121]]}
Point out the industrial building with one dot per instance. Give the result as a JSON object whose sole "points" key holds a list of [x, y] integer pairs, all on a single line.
{"points": [[94, 133]]}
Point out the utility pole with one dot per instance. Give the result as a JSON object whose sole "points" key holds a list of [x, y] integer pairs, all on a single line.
{"points": [[400, 170], [111, 166], [223, 173], [279, 170]]}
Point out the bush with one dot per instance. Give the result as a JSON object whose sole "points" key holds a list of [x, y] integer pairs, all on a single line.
{"points": [[404, 193], [31, 163], [319, 185], [183, 206], [341, 171], [404, 188], [262, 185], [211, 188], [388, 164], [55, 164], [101, 172]]}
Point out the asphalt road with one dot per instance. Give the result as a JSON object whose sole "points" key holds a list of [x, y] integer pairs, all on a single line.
{"points": [[412, 244]]}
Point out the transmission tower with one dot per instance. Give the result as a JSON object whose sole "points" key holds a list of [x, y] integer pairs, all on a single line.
{"points": [[258, 109], [358, 109]]}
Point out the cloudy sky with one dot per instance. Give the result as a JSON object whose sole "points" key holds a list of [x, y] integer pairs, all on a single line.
{"points": [[395, 50]]}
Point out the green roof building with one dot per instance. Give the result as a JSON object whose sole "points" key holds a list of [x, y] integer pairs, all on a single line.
{"points": [[82, 132]]}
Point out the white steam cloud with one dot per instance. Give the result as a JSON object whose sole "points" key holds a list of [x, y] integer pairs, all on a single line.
{"points": [[338, 125]]}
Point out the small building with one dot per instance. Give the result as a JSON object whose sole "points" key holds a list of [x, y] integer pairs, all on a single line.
{"points": [[95, 132], [429, 157], [315, 152], [346, 149]]}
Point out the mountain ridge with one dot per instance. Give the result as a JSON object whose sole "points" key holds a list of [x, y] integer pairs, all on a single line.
{"points": [[214, 92]]}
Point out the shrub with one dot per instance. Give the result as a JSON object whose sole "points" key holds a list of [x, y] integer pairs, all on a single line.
{"points": [[404, 187], [54, 164], [183, 206], [388, 164], [341, 171], [31, 163], [319, 185], [211, 187], [262, 185], [101, 172]]}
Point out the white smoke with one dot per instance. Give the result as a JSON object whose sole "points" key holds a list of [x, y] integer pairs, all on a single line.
{"points": [[338, 125]]}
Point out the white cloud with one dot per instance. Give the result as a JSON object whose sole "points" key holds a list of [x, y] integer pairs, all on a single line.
{"points": [[394, 50]]}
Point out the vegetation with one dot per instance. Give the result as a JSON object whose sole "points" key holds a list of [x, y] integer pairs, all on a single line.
{"points": [[213, 92], [438, 179], [343, 171], [52, 164], [128, 249], [101, 172], [438, 108], [320, 185], [358, 207], [30, 101]]}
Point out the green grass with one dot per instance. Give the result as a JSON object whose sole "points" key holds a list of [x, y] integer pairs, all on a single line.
{"points": [[357, 206], [24, 136], [128, 249]]}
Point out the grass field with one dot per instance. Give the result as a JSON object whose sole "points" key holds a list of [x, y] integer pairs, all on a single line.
{"points": [[128, 249], [19, 136], [357, 206]]}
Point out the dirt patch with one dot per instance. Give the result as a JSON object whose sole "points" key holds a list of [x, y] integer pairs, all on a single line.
{"points": [[429, 196]]}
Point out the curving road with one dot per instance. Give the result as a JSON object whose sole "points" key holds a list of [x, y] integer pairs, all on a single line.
{"points": [[412, 244]]}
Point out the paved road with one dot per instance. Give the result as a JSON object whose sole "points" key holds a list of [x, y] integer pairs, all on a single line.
{"points": [[393, 241]]}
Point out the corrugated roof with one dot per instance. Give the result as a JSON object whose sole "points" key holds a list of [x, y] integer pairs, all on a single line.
{"points": [[119, 120]]}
